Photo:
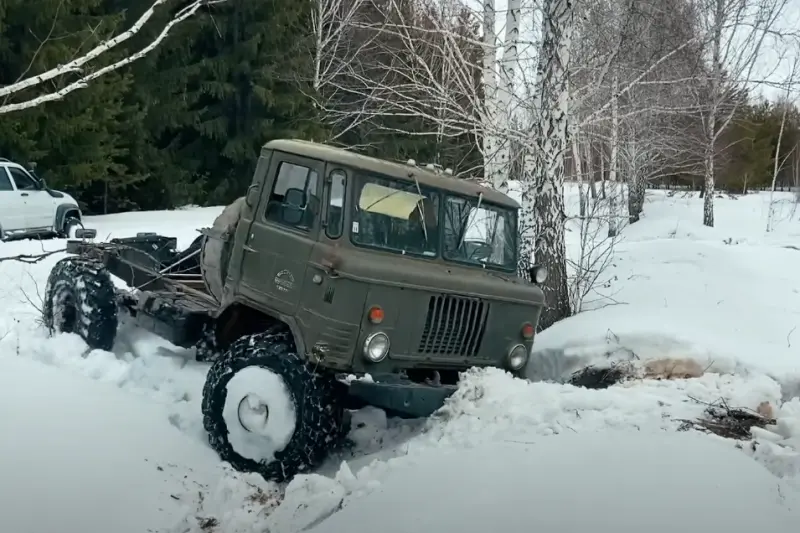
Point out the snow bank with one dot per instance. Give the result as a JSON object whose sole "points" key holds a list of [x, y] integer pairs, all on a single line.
{"points": [[614, 481], [723, 296], [727, 296], [490, 410], [84, 457]]}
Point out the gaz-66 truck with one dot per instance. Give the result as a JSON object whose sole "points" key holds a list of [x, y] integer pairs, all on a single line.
{"points": [[337, 281]]}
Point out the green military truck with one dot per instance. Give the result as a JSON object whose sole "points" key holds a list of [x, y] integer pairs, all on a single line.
{"points": [[337, 281]]}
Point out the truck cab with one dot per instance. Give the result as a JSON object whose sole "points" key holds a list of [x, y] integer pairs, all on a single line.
{"points": [[381, 267]]}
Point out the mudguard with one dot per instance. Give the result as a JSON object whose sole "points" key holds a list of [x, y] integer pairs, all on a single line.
{"points": [[61, 214]]}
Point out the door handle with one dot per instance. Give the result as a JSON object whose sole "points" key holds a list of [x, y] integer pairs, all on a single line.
{"points": [[250, 249], [24, 194]]}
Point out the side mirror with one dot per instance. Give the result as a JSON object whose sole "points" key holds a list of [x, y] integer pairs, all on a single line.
{"points": [[83, 233], [293, 208], [251, 198], [32, 165], [538, 274]]}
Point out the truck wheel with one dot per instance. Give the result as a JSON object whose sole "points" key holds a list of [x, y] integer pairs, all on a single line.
{"points": [[206, 349], [266, 411], [79, 298]]}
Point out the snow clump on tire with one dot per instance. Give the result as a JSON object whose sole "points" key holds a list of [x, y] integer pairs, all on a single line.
{"points": [[266, 411]]}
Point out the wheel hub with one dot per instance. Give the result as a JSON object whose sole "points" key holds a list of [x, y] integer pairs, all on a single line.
{"points": [[253, 414]]}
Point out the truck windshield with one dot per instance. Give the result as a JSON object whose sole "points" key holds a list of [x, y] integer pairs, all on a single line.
{"points": [[479, 233], [395, 216]]}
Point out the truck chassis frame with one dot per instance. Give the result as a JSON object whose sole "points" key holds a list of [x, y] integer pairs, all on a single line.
{"points": [[169, 299]]}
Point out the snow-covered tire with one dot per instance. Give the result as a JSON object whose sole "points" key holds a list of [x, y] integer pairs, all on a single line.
{"points": [[304, 409], [79, 298], [206, 349]]}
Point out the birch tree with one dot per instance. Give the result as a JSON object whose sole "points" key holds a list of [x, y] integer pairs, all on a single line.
{"points": [[337, 52], [491, 170], [506, 101], [543, 199], [636, 58], [778, 159], [735, 31], [85, 68]]}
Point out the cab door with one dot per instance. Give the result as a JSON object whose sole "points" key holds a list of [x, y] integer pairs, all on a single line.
{"points": [[39, 205], [12, 205], [282, 233]]}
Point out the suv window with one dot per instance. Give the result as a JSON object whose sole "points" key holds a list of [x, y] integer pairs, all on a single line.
{"points": [[302, 183], [5, 181], [22, 180], [336, 204]]}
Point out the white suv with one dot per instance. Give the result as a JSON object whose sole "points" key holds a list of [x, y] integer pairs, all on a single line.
{"points": [[29, 207]]}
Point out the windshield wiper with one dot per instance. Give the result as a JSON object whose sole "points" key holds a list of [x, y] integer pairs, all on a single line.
{"points": [[422, 210]]}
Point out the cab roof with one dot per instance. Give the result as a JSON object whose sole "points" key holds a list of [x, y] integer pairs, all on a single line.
{"points": [[404, 172]]}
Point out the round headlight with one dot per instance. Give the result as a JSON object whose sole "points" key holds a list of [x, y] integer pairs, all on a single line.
{"points": [[517, 357], [376, 347], [539, 274]]}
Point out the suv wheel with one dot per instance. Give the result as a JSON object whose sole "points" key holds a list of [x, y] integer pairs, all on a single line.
{"points": [[68, 228], [266, 411]]}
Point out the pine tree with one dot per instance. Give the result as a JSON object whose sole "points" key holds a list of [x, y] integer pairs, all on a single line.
{"points": [[75, 142]]}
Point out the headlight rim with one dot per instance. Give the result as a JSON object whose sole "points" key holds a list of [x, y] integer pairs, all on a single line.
{"points": [[366, 347], [510, 356]]}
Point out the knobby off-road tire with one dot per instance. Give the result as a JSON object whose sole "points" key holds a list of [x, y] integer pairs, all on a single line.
{"points": [[315, 399], [79, 298], [206, 349]]}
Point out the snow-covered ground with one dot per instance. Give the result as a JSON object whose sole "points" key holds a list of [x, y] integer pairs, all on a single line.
{"points": [[101, 441]]}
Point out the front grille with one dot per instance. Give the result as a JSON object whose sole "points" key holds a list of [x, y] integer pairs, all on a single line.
{"points": [[454, 326]]}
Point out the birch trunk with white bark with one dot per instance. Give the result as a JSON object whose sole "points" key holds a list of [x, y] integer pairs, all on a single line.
{"points": [[709, 181], [79, 64], [615, 195], [637, 188], [543, 201], [591, 170], [506, 92], [576, 158], [490, 139], [776, 166]]}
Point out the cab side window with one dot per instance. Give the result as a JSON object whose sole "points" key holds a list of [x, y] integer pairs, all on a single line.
{"points": [[5, 181], [336, 195], [22, 180], [294, 201]]}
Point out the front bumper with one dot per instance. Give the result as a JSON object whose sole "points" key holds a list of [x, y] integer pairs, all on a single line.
{"points": [[401, 397]]}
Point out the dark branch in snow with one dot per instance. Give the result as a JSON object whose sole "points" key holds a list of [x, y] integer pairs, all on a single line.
{"points": [[736, 423], [32, 258]]}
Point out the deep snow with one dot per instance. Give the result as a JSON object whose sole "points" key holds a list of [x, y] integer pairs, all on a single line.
{"points": [[534, 452], [79, 455]]}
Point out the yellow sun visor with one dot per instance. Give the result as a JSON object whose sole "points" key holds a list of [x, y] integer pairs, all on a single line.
{"points": [[388, 201]]}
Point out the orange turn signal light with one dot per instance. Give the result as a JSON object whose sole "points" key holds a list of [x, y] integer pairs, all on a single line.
{"points": [[527, 331], [375, 314]]}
